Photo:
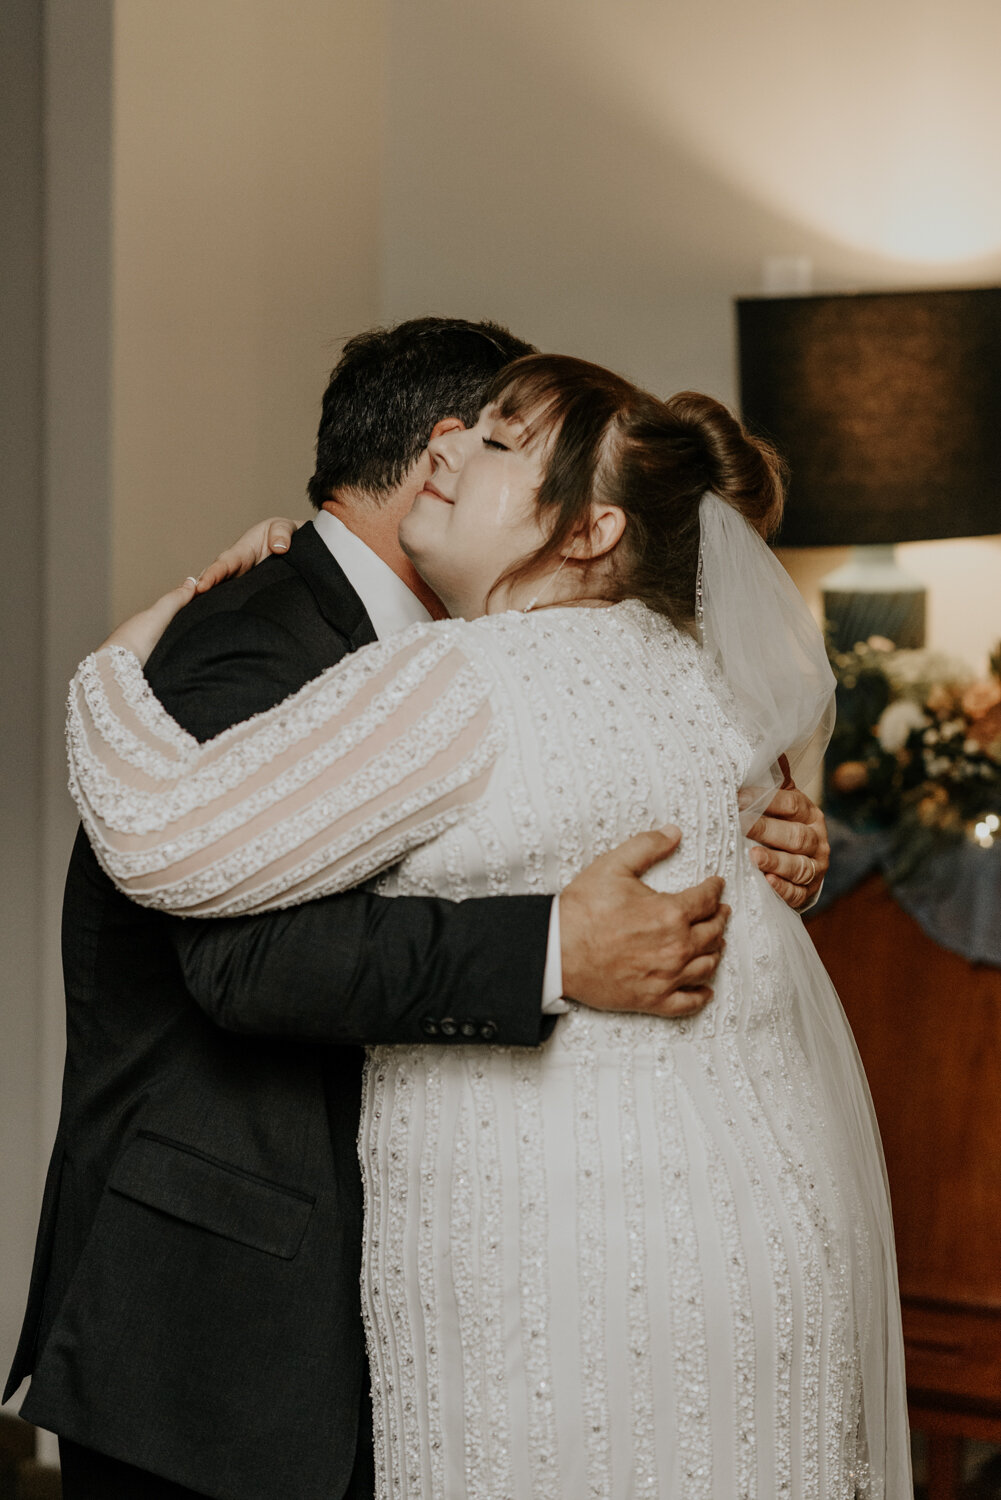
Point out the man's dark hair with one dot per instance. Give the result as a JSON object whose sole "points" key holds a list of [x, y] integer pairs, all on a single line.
{"points": [[389, 388]]}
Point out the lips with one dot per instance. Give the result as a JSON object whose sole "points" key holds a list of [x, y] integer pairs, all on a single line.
{"points": [[429, 489]]}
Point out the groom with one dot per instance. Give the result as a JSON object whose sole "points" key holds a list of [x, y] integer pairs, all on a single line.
{"points": [[193, 1324]]}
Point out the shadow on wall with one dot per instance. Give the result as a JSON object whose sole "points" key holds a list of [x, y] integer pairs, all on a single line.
{"points": [[577, 213], [525, 182]]}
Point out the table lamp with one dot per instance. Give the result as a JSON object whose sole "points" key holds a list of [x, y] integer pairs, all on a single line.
{"points": [[887, 408]]}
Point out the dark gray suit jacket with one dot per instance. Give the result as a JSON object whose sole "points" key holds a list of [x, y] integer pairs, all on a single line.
{"points": [[194, 1302]]}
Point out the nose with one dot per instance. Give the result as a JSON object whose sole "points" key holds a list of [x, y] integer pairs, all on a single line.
{"points": [[446, 448]]}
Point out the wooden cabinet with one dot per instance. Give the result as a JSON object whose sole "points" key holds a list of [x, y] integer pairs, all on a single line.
{"points": [[928, 1026]]}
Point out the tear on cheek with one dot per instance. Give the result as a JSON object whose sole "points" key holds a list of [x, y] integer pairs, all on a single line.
{"points": [[503, 500]]}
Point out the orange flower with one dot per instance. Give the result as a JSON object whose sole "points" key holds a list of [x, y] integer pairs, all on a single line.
{"points": [[986, 729], [980, 697], [850, 776]]}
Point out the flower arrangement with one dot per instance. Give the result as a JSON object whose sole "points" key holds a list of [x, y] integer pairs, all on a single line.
{"points": [[917, 748]]}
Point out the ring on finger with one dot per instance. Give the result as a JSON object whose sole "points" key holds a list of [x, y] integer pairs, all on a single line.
{"points": [[813, 870]]}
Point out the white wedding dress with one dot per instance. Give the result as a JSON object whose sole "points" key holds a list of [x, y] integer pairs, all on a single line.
{"points": [[631, 1262]]}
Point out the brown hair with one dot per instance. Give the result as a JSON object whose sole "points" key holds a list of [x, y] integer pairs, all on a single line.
{"points": [[608, 441]]}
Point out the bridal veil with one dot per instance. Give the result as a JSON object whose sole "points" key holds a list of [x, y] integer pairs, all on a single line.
{"points": [[756, 631]]}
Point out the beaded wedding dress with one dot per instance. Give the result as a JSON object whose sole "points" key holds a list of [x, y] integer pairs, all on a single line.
{"points": [[635, 1261]]}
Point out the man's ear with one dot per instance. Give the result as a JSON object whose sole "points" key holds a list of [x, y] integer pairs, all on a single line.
{"points": [[604, 533], [447, 424]]}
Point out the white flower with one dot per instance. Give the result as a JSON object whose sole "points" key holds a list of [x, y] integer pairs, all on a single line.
{"points": [[915, 673], [896, 723]]}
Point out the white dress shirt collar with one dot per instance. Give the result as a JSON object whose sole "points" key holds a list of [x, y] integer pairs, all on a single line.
{"points": [[390, 604]]}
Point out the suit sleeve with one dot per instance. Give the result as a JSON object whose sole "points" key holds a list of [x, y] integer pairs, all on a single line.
{"points": [[353, 967], [365, 969]]}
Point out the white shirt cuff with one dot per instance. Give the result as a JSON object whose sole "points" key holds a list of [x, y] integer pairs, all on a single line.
{"points": [[553, 1003]]}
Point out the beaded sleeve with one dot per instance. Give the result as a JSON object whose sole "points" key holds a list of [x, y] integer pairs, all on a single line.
{"points": [[378, 755]]}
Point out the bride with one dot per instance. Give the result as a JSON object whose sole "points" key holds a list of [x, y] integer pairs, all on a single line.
{"points": [[655, 1256]]}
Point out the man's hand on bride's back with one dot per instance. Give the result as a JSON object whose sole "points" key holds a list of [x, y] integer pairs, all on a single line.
{"points": [[626, 947]]}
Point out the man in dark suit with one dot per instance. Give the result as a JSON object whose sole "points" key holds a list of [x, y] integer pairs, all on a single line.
{"points": [[193, 1325]]}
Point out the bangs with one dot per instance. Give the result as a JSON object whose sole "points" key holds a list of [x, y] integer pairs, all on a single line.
{"points": [[541, 391], [531, 393]]}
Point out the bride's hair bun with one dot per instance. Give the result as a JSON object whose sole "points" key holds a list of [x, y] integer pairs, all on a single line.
{"points": [[745, 471]]}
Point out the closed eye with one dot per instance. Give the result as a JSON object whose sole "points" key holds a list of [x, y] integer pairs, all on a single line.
{"points": [[493, 443]]}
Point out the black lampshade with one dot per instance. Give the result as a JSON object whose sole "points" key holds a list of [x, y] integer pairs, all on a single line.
{"points": [[887, 408]]}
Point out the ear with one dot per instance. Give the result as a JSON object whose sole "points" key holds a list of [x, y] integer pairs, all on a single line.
{"points": [[603, 534], [447, 424]]}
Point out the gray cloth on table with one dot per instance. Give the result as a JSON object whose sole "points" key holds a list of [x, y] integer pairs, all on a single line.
{"points": [[955, 896]]}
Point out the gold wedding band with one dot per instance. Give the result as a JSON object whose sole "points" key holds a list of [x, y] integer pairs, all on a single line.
{"points": [[813, 870]]}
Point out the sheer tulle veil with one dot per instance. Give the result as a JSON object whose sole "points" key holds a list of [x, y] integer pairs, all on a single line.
{"points": [[756, 631]]}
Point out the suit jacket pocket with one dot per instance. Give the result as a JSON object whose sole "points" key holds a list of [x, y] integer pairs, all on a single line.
{"points": [[188, 1184]]}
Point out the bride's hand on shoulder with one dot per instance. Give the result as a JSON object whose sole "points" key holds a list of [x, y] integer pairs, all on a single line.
{"points": [[254, 546], [140, 633]]}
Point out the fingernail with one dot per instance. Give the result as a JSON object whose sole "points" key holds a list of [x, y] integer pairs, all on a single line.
{"points": [[743, 799], [670, 831]]}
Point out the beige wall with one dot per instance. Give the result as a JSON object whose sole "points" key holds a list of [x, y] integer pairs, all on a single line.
{"points": [[247, 146], [609, 176], [55, 410], [21, 660], [606, 178], [235, 185], [203, 235]]}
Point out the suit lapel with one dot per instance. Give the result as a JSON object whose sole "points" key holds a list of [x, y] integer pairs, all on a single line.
{"points": [[337, 601]]}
